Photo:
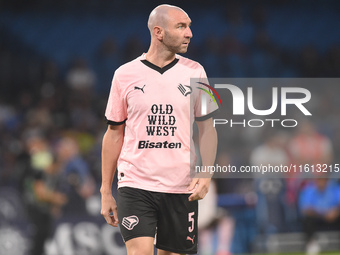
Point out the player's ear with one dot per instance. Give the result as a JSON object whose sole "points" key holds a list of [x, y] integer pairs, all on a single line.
{"points": [[158, 32]]}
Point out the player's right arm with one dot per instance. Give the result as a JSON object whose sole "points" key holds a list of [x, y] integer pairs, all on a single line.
{"points": [[112, 144]]}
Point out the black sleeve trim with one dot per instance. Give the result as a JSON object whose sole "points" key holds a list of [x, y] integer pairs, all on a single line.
{"points": [[208, 116], [114, 123]]}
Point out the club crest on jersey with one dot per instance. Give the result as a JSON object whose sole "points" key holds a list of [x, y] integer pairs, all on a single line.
{"points": [[141, 89], [130, 222], [185, 89]]}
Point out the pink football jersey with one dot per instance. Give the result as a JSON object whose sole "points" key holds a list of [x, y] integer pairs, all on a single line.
{"points": [[158, 106]]}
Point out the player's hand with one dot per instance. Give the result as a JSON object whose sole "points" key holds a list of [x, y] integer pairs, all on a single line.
{"points": [[332, 215], [59, 199], [201, 189], [109, 209]]}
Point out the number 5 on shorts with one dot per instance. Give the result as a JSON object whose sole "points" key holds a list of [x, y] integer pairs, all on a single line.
{"points": [[192, 220]]}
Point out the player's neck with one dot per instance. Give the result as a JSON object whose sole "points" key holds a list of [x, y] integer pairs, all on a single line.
{"points": [[160, 58]]}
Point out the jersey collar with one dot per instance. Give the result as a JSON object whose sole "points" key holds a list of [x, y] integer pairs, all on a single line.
{"points": [[159, 69]]}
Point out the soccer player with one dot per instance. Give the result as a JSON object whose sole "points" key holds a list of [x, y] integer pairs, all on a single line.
{"points": [[150, 111]]}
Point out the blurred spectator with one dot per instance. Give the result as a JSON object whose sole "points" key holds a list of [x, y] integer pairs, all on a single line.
{"points": [[306, 148], [80, 77], [228, 185], [213, 220], [82, 115], [310, 147], [79, 184], [272, 152], [270, 186], [39, 117], [320, 208], [237, 197], [41, 196]]}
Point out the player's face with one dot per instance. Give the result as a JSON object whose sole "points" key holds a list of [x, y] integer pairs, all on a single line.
{"points": [[178, 33]]}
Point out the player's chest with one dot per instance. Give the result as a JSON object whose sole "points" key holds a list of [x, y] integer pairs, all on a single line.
{"points": [[145, 93]]}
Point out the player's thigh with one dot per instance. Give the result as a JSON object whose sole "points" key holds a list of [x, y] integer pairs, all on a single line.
{"points": [[140, 246], [136, 213]]}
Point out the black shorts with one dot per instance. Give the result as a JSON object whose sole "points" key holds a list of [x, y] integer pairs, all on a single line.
{"points": [[172, 216]]}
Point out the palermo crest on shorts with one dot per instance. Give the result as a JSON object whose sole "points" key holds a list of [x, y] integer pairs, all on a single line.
{"points": [[130, 222]]}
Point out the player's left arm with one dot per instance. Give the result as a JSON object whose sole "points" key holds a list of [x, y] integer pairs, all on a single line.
{"points": [[208, 146]]}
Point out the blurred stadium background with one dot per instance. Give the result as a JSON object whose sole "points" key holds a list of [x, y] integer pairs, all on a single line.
{"points": [[57, 59]]}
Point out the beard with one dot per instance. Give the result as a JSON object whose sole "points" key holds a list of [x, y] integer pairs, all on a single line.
{"points": [[174, 44]]}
